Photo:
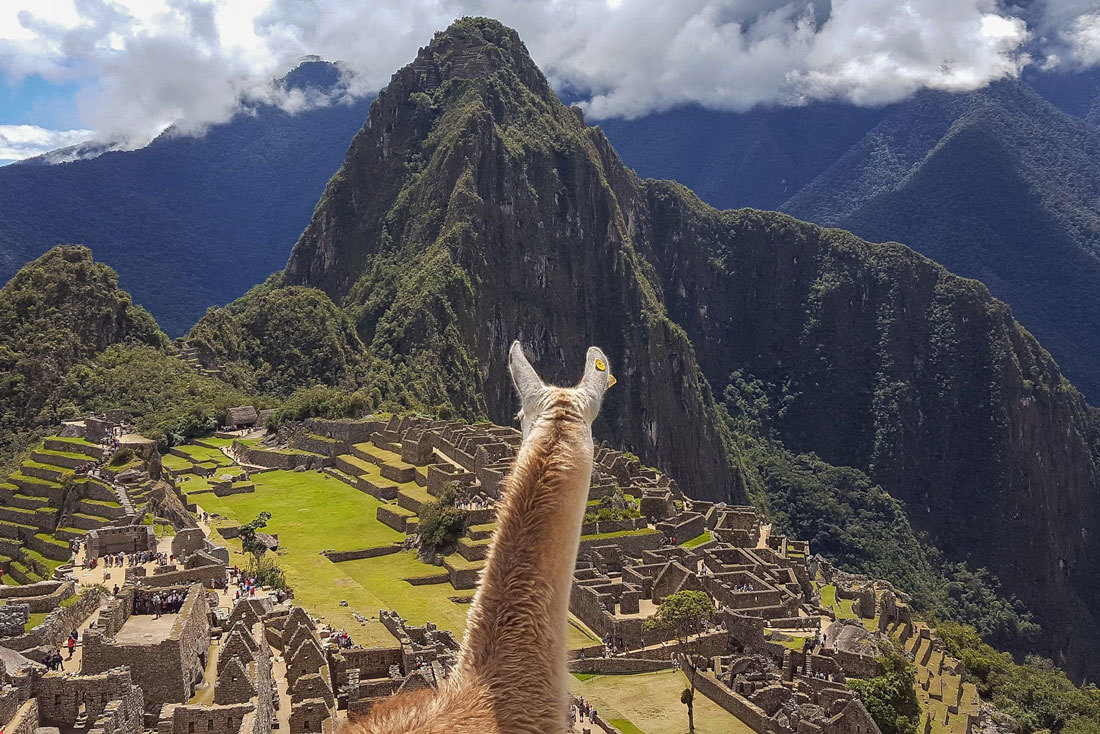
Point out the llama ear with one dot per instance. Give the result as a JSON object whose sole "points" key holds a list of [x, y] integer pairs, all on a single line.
{"points": [[528, 383], [597, 379]]}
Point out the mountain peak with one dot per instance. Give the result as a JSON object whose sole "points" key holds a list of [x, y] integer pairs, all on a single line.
{"points": [[476, 48], [470, 49]]}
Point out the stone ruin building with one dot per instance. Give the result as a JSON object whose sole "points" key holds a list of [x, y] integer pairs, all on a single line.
{"points": [[244, 672], [422, 657]]}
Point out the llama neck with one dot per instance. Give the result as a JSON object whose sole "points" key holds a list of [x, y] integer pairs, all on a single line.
{"points": [[516, 626]]}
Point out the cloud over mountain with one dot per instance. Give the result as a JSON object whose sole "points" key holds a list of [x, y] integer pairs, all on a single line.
{"points": [[143, 65]]}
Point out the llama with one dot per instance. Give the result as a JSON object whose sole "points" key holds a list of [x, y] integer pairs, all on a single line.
{"points": [[511, 675]]}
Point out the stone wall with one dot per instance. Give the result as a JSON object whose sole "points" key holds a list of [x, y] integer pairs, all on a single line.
{"points": [[61, 696], [742, 708], [51, 594], [123, 538], [355, 555], [346, 431], [230, 719], [271, 459], [202, 575], [13, 619], [56, 627], [631, 545], [25, 720], [616, 665], [372, 662], [169, 669]]}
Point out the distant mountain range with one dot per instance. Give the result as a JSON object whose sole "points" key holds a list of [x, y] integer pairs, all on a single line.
{"points": [[187, 222], [999, 185]]}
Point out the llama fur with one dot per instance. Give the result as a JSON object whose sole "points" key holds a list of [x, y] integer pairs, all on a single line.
{"points": [[511, 675]]}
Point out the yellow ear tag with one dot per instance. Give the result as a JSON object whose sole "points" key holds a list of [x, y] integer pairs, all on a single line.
{"points": [[602, 366]]}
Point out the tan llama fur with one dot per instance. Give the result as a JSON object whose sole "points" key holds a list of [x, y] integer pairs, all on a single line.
{"points": [[511, 674]]}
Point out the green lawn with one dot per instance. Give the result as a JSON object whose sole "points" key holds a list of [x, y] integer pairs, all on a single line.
{"points": [[625, 726], [650, 703], [312, 512], [175, 463], [219, 442], [699, 539], [620, 534], [202, 453]]}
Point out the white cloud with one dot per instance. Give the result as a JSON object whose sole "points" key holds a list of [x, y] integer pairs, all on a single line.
{"points": [[23, 141], [1083, 37], [144, 64]]}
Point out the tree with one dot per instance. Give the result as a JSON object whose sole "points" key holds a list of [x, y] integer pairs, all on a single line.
{"points": [[685, 614], [249, 543], [441, 523]]}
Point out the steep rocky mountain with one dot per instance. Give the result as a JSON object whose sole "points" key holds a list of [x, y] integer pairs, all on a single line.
{"points": [[210, 215], [56, 312], [474, 207], [997, 185]]}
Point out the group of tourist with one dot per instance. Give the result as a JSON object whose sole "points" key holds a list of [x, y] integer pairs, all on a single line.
{"points": [[668, 540], [246, 585], [169, 603], [474, 502], [581, 710], [92, 467], [121, 560], [54, 661]]}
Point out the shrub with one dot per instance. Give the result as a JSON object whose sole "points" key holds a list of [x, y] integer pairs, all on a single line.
{"points": [[441, 523]]}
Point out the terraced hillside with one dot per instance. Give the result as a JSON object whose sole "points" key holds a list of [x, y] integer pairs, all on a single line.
{"points": [[45, 504]]}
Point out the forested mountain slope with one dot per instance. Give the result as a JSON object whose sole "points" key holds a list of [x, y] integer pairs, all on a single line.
{"points": [[997, 185]]}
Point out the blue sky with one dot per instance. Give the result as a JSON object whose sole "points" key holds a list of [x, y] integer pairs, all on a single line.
{"points": [[34, 101], [123, 70]]}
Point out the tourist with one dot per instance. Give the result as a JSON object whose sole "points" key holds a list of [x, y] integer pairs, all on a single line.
{"points": [[156, 605], [72, 646]]}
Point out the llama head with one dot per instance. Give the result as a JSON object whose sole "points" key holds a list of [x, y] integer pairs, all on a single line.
{"points": [[536, 396]]}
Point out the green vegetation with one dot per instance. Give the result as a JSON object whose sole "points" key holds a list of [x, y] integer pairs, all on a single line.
{"points": [[860, 527], [441, 523], [170, 401], [891, 698], [260, 566], [273, 340], [320, 401], [703, 537], [613, 508], [1038, 695], [58, 311]]}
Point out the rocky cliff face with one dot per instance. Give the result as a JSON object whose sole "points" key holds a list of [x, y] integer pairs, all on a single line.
{"points": [[473, 208]]}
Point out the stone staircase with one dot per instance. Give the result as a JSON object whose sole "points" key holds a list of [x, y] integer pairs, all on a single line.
{"points": [[190, 355], [950, 702]]}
